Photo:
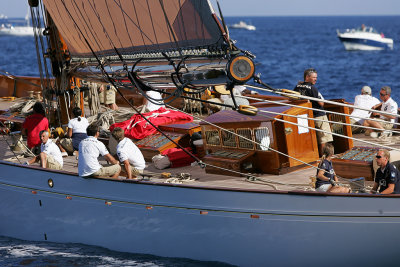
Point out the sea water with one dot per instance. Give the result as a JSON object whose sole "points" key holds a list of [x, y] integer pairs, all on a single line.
{"points": [[284, 48]]}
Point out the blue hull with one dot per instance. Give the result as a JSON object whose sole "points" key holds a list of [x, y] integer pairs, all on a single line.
{"points": [[364, 42], [247, 228]]}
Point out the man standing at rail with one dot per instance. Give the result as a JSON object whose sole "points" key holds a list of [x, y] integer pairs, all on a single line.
{"points": [[308, 88]]}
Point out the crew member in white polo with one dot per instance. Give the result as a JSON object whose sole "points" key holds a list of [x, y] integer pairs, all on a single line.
{"points": [[89, 150], [388, 106], [50, 156], [364, 100], [129, 154]]}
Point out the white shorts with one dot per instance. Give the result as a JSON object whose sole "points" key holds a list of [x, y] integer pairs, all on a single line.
{"points": [[323, 188]]}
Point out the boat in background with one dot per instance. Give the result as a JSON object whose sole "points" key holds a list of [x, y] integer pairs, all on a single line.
{"points": [[9, 29], [243, 25], [364, 38], [16, 30]]}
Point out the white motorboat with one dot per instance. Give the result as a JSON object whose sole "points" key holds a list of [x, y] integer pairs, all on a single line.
{"points": [[364, 38], [243, 25], [24, 30], [16, 30]]}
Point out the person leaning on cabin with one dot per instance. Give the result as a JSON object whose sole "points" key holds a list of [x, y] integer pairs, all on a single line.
{"points": [[364, 100], [50, 156], [308, 88], [326, 177], [33, 125], [89, 150], [388, 105], [75, 134], [387, 176], [129, 154]]}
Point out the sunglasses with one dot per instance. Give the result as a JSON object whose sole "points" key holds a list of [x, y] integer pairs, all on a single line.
{"points": [[382, 94], [378, 157]]}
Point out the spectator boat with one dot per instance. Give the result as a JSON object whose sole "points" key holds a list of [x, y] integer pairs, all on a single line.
{"points": [[243, 25], [364, 38], [25, 30]]}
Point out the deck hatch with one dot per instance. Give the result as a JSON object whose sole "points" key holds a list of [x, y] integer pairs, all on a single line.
{"points": [[262, 137], [212, 138], [228, 138]]}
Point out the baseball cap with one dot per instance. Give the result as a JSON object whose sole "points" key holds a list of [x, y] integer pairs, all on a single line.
{"points": [[366, 90]]}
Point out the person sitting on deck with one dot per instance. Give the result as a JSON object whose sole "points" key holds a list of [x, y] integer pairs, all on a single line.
{"points": [[326, 177], [308, 88], [50, 156], [388, 105], [33, 125], [75, 134], [365, 100], [89, 150], [129, 154], [387, 176]]}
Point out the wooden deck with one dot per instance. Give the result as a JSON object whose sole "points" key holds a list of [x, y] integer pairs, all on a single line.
{"points": [[296, 180]]}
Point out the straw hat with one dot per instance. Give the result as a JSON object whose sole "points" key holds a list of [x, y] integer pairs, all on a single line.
{"points": [[221, 89]]}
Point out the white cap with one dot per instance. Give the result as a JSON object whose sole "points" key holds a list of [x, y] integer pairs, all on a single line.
{"points": [[366, 90]]}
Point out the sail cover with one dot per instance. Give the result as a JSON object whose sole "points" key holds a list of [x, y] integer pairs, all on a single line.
{"points": [[134, 26]]}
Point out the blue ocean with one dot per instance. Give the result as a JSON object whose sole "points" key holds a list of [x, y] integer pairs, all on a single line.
{"points": [[284, 48]]}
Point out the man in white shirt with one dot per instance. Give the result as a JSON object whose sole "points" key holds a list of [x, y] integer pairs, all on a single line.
{"points": [[50, 156], [89, 150], [129, 154], [365, 100], [389, 106]]}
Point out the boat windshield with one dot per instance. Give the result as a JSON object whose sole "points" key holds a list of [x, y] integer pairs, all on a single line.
{"points": [[366, 29]]}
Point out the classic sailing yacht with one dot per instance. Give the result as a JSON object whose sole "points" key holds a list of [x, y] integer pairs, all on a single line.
{"points": [[230, 214]]}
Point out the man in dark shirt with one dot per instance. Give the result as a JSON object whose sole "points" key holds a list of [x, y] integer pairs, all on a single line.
{"points": [[308, 88], [387, 176]]}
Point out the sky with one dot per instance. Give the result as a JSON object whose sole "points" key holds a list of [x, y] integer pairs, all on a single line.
{"points": [[18, 8]]}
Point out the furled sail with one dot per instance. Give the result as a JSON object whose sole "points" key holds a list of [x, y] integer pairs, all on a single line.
{"points": [[136, 29]]}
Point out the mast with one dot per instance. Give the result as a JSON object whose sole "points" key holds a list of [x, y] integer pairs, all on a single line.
{"points": [[59, 56]]}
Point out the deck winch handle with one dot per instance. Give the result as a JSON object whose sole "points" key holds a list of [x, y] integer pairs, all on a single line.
{"points": [[248, 110]]}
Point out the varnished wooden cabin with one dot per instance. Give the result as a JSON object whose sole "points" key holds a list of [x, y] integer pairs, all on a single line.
{"points": [[229, 151]]}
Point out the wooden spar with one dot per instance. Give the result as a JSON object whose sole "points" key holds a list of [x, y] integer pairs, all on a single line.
{"points": [[58, 55]]}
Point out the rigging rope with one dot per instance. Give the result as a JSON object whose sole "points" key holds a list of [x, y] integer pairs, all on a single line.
{"points": [[326, 111], [101, 64], [276, 91], [252, 141], [314, 119], [126, 100]]}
